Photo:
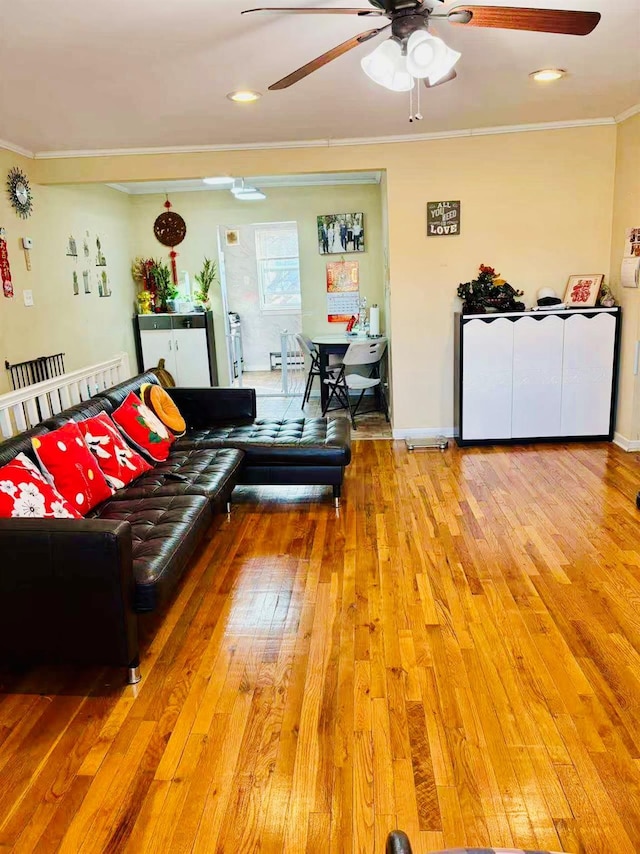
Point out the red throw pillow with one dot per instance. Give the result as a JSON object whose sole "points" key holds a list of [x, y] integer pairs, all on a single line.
{"points": [[143, 428], [120, 464], [71, 467], [25, 493]]}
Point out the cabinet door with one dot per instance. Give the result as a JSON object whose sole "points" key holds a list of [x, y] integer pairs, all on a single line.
{"points": [[587, 375], [158, 344], [537, 376], [190, 347], [487, 376]]}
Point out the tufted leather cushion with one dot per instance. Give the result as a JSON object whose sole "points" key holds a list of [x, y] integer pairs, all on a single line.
{"points": [[212, 473], [164, 531], [118, 393], [20, 444], [300, 441], [78, 412]]}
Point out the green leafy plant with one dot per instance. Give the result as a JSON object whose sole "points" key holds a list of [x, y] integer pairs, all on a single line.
{"points": [[164, 288], [205, 278]]}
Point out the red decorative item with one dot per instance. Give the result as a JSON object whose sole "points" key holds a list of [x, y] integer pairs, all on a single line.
{"points": [[119, 463], [143, 428], [24, 493], [170, 229], [72, 468], [5, 270]]}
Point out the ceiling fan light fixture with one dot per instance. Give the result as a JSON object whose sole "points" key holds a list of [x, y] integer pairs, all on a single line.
{"points": [[429, 57], [244, 193], [387, 67], [547, 75]]}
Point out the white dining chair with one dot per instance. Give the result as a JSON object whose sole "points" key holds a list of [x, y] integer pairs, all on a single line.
{"points": [[359, 354]]}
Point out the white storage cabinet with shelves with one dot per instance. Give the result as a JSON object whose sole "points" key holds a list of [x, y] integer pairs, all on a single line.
{"points": [[535, 375], [184, 341]]}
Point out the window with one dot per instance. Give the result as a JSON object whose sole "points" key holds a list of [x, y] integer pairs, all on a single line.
{"points": [[278, 266]]}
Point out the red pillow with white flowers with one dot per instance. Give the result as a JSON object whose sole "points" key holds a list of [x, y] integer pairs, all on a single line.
{"points": [[120, 464], [24, 493], [143, 428], [71, 467]]}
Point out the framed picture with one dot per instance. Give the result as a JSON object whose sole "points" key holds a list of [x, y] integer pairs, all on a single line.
{"points": [[582, 291], [340, 233], [232, 237]]}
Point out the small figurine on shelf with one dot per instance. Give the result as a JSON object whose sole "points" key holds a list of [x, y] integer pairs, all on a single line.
{"points": [[144, 302], [488, 291], [606, 298]]}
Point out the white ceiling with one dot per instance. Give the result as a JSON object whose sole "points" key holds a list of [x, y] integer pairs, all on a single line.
{"points": [[114, 74]]}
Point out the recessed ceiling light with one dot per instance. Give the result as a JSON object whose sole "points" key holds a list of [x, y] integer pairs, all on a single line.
{"points": [[219, 181], [244, 96], [546, 75]]}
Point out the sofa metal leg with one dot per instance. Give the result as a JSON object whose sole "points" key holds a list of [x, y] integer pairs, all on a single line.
{"points": [[229, 506], [133, 673], [336, 495]]}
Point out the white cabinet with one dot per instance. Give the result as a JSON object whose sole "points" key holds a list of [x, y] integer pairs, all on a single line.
{"points": [[184, 341], [488, 380], [536, 376]]}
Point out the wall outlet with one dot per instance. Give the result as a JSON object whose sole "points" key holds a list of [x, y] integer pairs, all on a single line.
{"points": [[27, 296], [27, 243]]}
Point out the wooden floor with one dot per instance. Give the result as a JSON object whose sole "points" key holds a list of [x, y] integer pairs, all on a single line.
{"points": [[457, 653]]}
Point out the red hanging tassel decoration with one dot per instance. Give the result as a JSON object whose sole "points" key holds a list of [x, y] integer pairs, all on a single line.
{"points": [[5, 271], [174, 270]]}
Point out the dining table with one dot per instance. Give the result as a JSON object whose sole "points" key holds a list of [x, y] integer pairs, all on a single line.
{"points": [[334, 344]]}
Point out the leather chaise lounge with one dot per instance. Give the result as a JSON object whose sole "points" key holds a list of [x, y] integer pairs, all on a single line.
{"points": [[71, 589]]}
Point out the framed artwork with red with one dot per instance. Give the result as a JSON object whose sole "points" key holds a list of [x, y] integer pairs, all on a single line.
{"points": [[582, 291]]}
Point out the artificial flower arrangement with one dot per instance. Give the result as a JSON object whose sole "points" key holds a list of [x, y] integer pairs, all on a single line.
{"points": [[489, 291]]}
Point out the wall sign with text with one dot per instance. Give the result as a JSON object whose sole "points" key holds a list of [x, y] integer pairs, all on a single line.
{"points": [[443, 218]]}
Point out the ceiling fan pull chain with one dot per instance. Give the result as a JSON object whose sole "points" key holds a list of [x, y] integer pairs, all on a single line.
{"points": [[418, 115], [410, 105]]}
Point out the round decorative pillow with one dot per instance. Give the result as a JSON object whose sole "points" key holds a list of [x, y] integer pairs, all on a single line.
{"points": [[163, 407]]}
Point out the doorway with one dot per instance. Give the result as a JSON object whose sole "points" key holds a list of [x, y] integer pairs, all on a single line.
{"points": [[262, 306]]}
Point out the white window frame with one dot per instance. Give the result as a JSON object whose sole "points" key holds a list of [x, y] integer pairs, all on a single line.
{"points": [[264, 306]]}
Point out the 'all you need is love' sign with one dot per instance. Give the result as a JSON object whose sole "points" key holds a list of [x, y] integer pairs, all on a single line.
{"points": [[443, 219]]}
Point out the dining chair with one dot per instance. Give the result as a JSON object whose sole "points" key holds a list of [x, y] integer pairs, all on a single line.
{"points": [[359, 354], [310, 350]]}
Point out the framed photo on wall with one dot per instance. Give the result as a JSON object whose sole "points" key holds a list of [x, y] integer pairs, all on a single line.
{"points": [[340, 233], [582, 291]]}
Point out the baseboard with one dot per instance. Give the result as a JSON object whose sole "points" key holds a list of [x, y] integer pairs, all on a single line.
{"points": [[626, 444], [422, 432]]}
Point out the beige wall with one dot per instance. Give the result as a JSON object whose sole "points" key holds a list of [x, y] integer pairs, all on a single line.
{"points": [[205, 211], [538, 206], [86, 328], [626, 214]]}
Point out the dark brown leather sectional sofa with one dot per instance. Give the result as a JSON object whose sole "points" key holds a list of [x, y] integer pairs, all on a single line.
{"points": [[71, 590]]}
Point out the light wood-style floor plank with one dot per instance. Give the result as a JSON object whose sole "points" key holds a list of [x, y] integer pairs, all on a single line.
{"points": [[455, 652]]}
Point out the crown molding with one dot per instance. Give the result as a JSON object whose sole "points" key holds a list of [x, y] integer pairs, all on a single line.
{"points": [[320, 143], [626, 114], [325, 143], [17, 149]]}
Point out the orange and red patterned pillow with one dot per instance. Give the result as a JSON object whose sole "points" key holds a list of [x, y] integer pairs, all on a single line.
{"points": [[26, 494], [71, 467], [143, 428]]}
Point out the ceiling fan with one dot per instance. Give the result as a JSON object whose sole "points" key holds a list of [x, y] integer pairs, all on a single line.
{"points": [[412, 52]]}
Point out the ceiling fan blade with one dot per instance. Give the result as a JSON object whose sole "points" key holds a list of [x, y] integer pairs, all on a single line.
{"points": [[536, 20], [330, 55], [301, 11], [447, 77]]}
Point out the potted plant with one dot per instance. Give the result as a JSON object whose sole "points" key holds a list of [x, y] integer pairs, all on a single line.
{"points": [[165, 290], [205, 278]]}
